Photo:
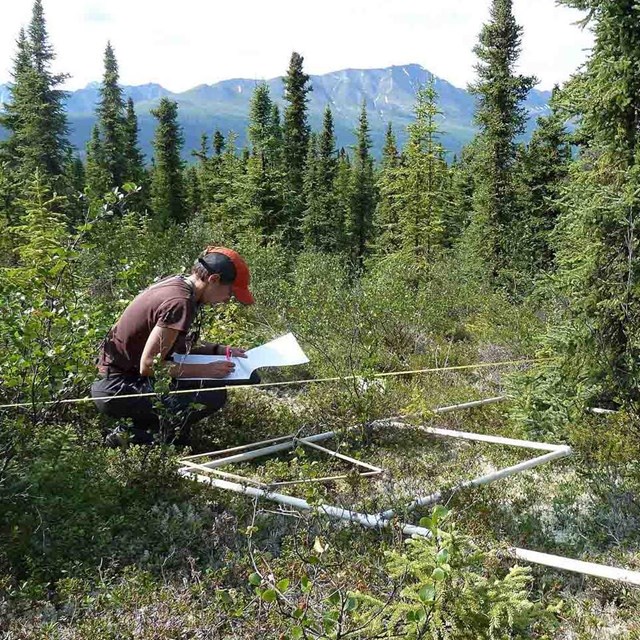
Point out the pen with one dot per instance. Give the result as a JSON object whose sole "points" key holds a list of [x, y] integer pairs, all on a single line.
{"points": [[227, 352]]}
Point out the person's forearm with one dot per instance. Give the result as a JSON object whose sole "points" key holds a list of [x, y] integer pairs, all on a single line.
{"points": [[190, 371]]}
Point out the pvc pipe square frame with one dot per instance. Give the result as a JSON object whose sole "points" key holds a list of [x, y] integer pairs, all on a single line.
{"points": [[257, 489], [286, 442]]}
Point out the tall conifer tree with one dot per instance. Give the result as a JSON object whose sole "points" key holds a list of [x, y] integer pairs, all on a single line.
{"points": [[193, 191], [134, 158], [167, 186], [296, 139], [500, 116], [98, 180], [542, 170], [598, 236], [323, 222], [36, 119], [386, 217], [111, 119], [422, 189], [218, 143], [264, 167], [343, 191], [363, 196], [10, 117], [459, 209]]}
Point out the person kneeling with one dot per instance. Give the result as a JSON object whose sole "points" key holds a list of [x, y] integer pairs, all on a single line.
{"points": [[161, 321]]}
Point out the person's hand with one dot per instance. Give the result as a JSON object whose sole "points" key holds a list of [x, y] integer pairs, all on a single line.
{"points": [[220, 369], [234, 352]]}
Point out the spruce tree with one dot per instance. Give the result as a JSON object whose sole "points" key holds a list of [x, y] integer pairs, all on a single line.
{"points": [[193, 197], [296, 139], [210, 169], [167, 186], [386, 216], [500, 117], [323, 222], [202, 154], [133, 157], [276, 129], [97, 178], [232, 206], [311, 227], [75, 178], [422, 181], [542, 170], [597, 238], [265, 167], [459, 210], [35, 118], [260, 119], [218, 143], [363, 196], [10, 117], [111, 119], [343, 192]]}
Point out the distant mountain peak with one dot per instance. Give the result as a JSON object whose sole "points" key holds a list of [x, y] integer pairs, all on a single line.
{"points": [[389, 93]]}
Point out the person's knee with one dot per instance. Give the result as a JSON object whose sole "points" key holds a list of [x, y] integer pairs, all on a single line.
{"points": [[213, 400]]}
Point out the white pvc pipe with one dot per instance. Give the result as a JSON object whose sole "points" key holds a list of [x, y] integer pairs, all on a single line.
{"points": [[341, 456], [602, 411], [242, 447], [469, 405], [578, 566], [365, 519], [449, 409], [241, 457], [485, 479], [481, 437], [438, 410], [223, 474], [376, 522]]}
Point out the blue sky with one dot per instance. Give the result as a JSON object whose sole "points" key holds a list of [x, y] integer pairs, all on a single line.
{"points": [[203, 41]]}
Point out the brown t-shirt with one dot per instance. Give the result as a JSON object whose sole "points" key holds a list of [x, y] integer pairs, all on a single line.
{"points": [[169, 303]]}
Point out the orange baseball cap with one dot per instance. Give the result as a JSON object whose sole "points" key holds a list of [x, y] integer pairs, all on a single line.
{"points": [[240, 284]]}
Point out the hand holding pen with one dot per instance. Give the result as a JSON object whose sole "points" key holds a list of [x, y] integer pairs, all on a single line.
{"points": [[233, 352], [223, 368]]}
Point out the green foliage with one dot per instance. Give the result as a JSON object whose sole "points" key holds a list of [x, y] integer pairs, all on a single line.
{"points": [[542, 170], [110, 112], [265, 168], [462, 185], [323, 221], [134, 158], [227, 190], [167, 185], [35, 116], [98, 180], [593, 295], [193, 199], [295, 132], [421, 190], [501, 118], [363, 193], [42, 310], [388, 210], [444, 589]]}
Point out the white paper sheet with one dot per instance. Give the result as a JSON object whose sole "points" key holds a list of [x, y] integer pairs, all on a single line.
{"points": [[281, 352]]}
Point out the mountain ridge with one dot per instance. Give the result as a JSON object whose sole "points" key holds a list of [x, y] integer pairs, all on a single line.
{"points": [[389, 93]]}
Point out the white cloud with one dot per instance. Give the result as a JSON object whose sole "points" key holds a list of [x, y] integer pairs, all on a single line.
{"points": [[203, 41]]}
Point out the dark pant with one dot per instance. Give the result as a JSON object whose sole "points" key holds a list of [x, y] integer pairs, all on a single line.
{"points": [[169, 416]]}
